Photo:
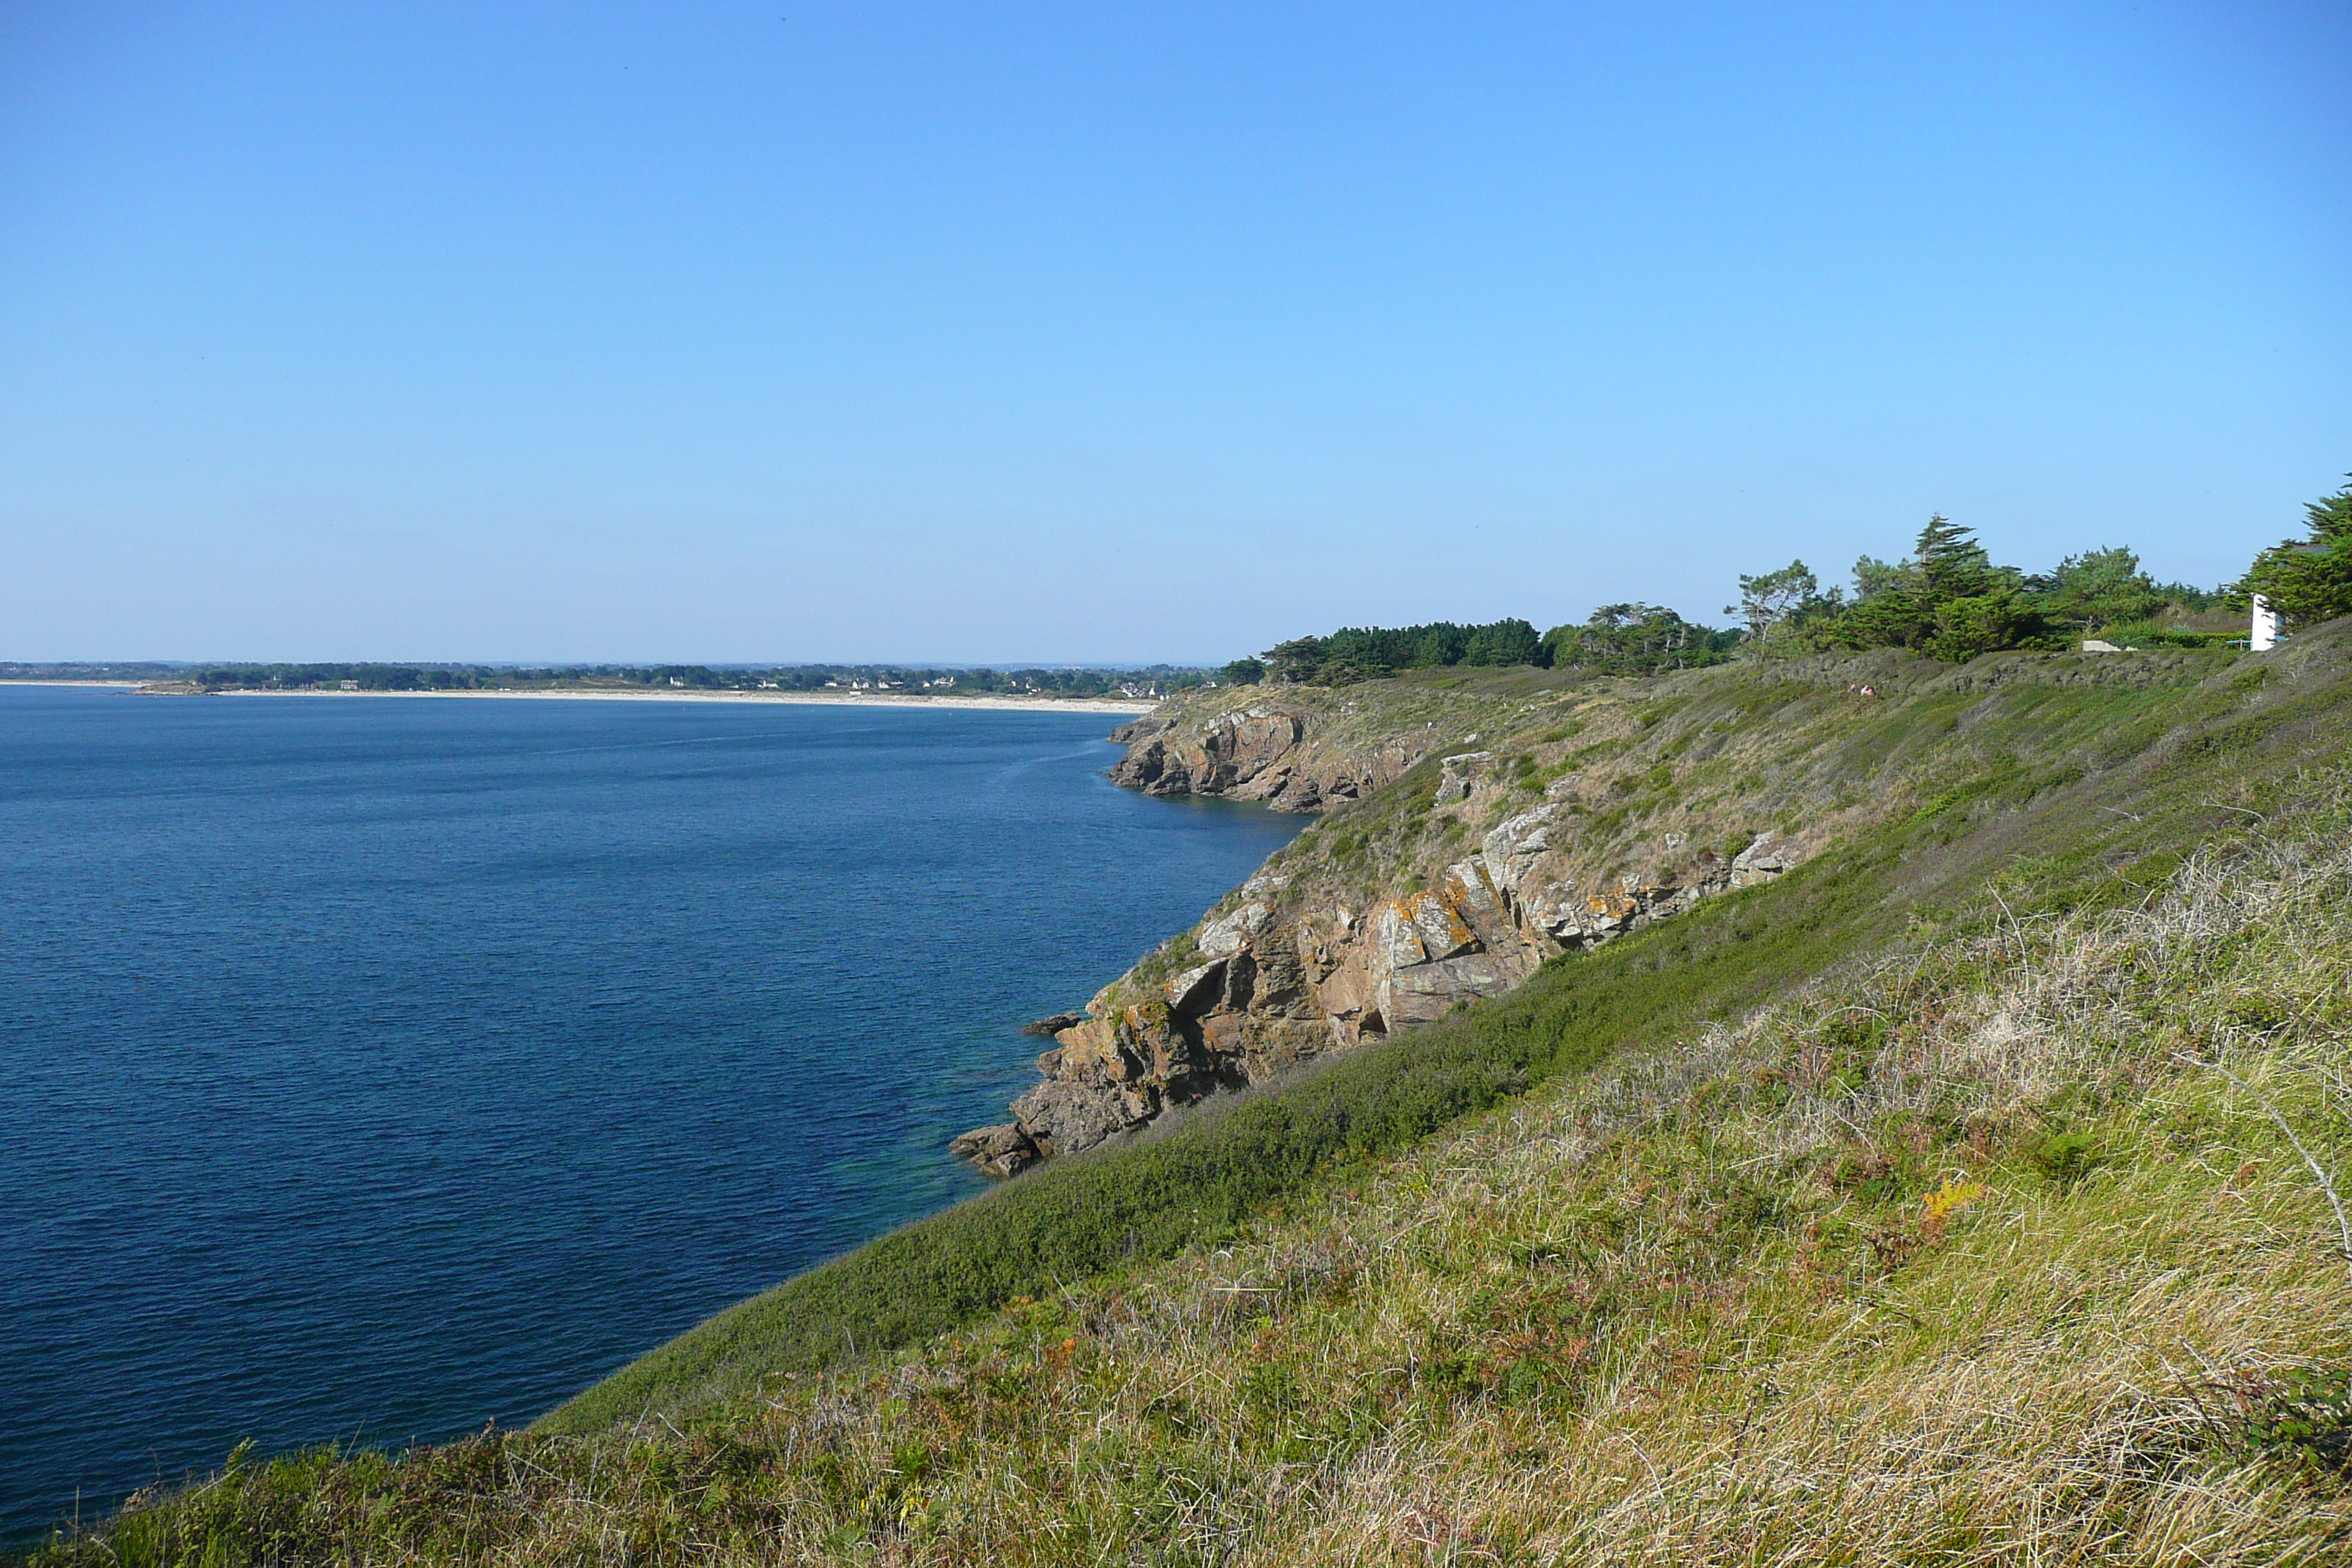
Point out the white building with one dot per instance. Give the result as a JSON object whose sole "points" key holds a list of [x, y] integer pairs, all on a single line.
{"points": [[2265, 633]]}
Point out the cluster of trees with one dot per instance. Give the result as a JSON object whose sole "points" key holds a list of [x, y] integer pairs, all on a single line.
{"points": [[1946, 599], [367, 677], [1618, 639], [1366, 653], [1636, 639], [2309, 580]]}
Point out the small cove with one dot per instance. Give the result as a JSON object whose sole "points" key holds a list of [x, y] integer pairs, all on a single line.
{"points": [[373, 1069]]}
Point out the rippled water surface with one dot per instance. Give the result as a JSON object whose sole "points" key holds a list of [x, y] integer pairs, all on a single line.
{"points": [[378, 1067]]}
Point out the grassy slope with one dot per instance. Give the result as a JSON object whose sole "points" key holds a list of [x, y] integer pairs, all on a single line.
{"points": [[2115, 776]]}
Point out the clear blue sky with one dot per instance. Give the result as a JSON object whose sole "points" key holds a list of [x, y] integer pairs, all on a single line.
{"points": [[1119, 331]]}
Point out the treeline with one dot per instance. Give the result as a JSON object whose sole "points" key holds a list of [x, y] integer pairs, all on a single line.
{"points": [[1150, 680], [1946, 599], [1950, 600], [1617, 639]]}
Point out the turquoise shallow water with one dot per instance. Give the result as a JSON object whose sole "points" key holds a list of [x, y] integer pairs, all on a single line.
{"points": [[376, 1068]]}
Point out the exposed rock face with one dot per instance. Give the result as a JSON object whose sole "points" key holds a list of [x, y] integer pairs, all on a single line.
{"points": [[1460, 775], [1000, 1150], [1226, 755], [1280, 983], [1263, 750]]}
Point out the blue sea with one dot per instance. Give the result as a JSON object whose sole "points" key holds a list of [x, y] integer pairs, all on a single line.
{"points": [[373, 1068]]}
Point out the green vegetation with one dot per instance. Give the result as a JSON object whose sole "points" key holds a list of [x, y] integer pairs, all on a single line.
{"points": [[1636, 639], [2309, 580], [1946, 600], [1367, 653], [1944, 1201], [1618, 639]]}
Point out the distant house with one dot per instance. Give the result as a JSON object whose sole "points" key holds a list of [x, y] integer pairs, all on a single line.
{"points": [[351, 685]]}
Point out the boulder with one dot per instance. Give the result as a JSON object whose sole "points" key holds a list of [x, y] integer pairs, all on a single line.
{"points": [[1428, 991], [1060, 1117], [1511, 850], [1223, 936], [1443, 931], [1761, 861], [1459, 775], [1054, 1025], [1000, 1150], [1097, 1051], [1197, 990]]}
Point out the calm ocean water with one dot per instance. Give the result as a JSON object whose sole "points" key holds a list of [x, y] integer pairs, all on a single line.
{"points": [[374, 1069]]}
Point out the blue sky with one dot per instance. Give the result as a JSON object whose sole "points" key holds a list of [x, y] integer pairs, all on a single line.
{"points": [[1112, 332]]}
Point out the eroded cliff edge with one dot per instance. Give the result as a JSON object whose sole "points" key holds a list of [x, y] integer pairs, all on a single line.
{"points": [[1474, 827]]}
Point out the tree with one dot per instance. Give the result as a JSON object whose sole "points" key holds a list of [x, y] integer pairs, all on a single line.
{"points": [[1636, 639], [1789, 596], [2100, 589], [1978, 623], [1873, 578], [1952, 565], [1440, 645], [1243, 672], [1505, 642], [2308, 581], [1296, 661], [1948, 600]]}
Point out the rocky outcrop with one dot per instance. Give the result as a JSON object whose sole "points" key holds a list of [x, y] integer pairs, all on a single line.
{"points": [[1271, 752], [1459, 776], [1239, 752], [1000, 1151], [1280, 979]]}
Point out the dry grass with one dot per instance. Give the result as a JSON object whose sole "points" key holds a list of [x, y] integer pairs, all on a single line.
{"points": [[1952, 1261]]}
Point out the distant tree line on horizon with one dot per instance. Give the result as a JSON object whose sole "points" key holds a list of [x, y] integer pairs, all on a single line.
{"points": [[1946, 599], [1161, 679]]}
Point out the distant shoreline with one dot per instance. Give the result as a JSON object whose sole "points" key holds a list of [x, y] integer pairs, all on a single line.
{"points": [[1125, 705], [16, 680]]}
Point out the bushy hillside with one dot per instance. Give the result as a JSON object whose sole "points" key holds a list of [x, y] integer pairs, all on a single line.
{"points": [[1704, 1273]]}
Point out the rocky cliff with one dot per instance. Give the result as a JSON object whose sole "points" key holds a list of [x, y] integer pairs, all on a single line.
{"points": [[1261, 751], [1475, 828], [1309, 749]]}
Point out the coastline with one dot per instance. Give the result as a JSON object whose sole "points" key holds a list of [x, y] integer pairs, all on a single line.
{"points": [[126, 685], [1127, 706]]}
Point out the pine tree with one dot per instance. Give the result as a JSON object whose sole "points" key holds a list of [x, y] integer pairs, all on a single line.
{"points": [[2309, 580]]}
